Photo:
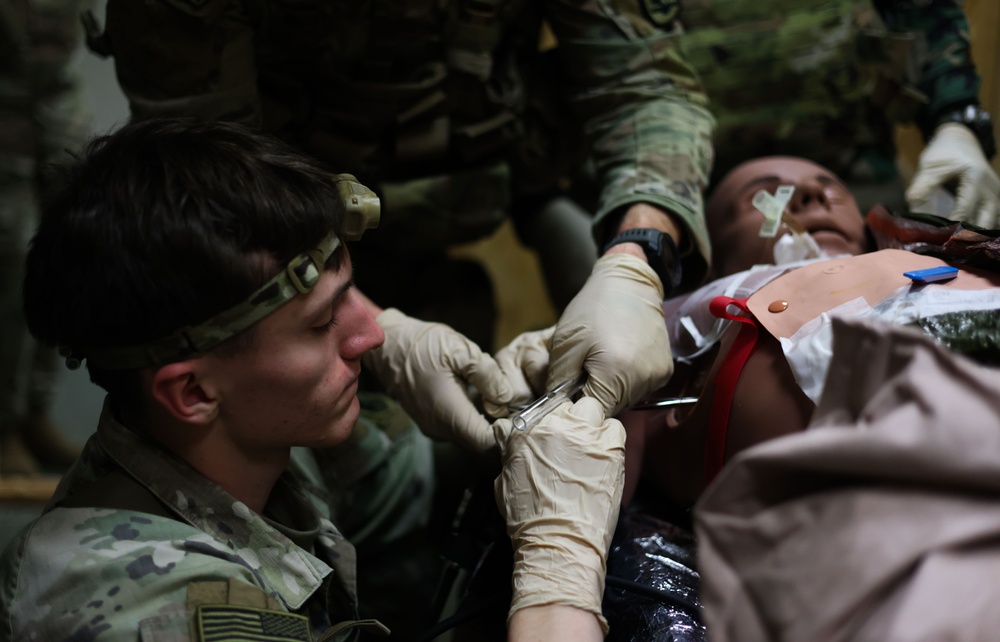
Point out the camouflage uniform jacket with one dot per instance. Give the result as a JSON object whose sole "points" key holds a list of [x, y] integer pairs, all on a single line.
{"points": [[828, 79], [408, 90], [137, 545]]}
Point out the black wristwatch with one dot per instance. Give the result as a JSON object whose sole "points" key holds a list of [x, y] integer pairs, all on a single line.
{"points": [[978, 121], [660, 252]]}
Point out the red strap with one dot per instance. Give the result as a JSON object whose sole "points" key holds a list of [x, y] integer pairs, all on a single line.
{"points": [[725, 380]]}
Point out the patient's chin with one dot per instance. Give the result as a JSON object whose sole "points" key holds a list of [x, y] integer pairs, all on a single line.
{"points": [[834, 243]]}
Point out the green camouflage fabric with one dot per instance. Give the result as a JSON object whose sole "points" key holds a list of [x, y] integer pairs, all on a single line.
{"points": [[431, 102], [945, 73], [96, 573], [827, 79], [378, 486], [43, 113]]}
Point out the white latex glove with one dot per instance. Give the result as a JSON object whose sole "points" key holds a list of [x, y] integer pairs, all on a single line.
{"points": [[428, 367], [525, 363], [560, 491], [953, 153], [614, 330]]}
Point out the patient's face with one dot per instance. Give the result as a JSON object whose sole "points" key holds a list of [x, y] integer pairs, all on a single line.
{"points": [[821, 204]]}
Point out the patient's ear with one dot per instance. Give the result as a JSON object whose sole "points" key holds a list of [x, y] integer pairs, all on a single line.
{"points": [[179, 388]]}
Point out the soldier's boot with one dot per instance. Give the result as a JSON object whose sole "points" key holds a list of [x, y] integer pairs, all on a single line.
{"points": [[15, 458], [47, 443]]}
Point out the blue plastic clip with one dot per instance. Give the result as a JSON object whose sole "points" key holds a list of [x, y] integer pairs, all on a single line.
{"points": [[930, 275]]}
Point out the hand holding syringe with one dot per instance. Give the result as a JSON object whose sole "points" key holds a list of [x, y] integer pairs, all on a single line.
{"points": [[537, 409], [567, 390]]}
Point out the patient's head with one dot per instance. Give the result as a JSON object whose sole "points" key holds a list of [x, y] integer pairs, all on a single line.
{"points": [[821, 204]]}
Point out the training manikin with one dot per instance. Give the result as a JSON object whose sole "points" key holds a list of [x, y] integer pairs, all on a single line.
{"points": [[786, 319]]}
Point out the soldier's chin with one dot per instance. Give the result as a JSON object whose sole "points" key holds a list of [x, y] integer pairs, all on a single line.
{"points": [[833, 243]]}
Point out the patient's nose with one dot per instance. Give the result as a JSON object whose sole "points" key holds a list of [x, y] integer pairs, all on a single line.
{"points": [[808, 194]]}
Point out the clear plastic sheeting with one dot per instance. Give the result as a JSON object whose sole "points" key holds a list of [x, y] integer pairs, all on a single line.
{"points": [[652, 587]]}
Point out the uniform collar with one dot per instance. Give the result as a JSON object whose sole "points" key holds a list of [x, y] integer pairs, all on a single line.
{"points": [[290, 571]]}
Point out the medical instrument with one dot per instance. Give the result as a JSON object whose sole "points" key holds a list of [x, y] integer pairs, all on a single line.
{"points": [[665, 402], [539, 408]]}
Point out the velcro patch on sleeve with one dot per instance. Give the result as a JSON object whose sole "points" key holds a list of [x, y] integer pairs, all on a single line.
{"points": [[229, 623]]}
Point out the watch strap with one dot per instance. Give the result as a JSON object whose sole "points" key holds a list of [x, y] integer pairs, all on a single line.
{"points": [[660, 250], [979, 122]]}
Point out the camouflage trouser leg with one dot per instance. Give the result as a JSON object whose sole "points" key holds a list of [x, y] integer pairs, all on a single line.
{"points": [[63, 123], [27, 370], [43, 115], [18, 212]]}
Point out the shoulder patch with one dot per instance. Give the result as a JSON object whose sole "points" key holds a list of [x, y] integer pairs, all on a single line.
{"points": [[662, 13], [226, 622]]}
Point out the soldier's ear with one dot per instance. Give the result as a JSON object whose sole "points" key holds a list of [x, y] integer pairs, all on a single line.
{"points": [[179, 388]]}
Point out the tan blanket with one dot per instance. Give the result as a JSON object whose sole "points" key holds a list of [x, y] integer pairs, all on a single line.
{"points": [[880, 522]]}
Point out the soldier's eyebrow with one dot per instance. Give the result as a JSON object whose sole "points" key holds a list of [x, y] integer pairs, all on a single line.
{"points": [[323, 309]]}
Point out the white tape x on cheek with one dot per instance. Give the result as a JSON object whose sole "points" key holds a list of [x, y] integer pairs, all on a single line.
{"points": [[798, 245], [772, 207]]}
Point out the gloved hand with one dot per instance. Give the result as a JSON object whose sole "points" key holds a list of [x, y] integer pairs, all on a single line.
{"points": [[953, 153], [525, 362], [427, 367], [560, 491], [614, 330]]}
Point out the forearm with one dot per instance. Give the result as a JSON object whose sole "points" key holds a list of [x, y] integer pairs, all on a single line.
{"points": [[947, 75], [553, 622], [645, 116], [662, 190]]}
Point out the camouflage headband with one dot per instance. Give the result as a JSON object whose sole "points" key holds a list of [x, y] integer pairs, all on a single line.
{"points": [[299, 277]]}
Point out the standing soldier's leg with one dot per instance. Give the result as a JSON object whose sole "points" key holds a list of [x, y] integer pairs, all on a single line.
{"points": [[63, 123]]}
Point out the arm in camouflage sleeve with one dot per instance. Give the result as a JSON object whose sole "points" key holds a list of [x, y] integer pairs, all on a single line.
{"points": [[644, 113], [649, 135], [184, 58], [947, 75], [956, 152]]}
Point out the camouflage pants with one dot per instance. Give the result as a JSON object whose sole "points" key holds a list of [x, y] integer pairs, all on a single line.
{"points": [[42, 115]]}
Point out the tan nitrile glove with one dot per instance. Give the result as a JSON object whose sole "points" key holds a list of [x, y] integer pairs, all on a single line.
{"points": [[525, 362], [428, 368], [560, 491], [953, 153], [614, 330]]}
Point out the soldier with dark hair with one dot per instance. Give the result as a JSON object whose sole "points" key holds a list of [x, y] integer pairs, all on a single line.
{"points": [[200, 271], [446, 110]]}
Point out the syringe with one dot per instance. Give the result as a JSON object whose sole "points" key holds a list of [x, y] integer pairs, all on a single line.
{"points": [[533, 412]]}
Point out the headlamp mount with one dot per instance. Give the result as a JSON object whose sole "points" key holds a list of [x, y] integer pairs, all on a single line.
{"points": [[299, 276]]}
